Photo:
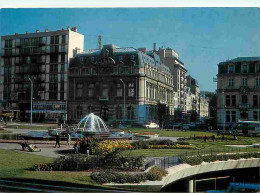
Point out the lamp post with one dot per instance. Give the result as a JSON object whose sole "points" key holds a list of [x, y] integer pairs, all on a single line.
{"points": [[223, 99], [124, 102], [31, 99]]}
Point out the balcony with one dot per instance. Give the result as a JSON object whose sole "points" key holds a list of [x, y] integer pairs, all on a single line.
{"points": [[244, 105]]}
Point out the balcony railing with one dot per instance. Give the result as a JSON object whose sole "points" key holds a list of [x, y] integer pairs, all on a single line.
{"points": [[244, 105]]}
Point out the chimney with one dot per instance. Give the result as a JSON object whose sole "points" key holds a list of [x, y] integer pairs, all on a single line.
{"points": [[142, 49], [154, 47], [74, 29], [46, 30], [37, 31], [68, 28]]}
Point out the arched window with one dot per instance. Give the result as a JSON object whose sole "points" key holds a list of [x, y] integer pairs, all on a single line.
{"points": [[228, 100]]}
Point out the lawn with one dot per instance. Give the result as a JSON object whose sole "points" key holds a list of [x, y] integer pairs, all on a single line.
{"points": [[15, 164], [31, 127], [170, 133], [4, 131], [199, 143]]}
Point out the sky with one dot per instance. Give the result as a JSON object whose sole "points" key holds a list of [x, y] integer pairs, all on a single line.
{"points": [[203, 37]]}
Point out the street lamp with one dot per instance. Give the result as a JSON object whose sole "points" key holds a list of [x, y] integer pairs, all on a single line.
{"points": [[31, 99], [223, 98], [124, 102]]}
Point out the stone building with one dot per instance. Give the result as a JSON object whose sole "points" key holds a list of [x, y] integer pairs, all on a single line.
{"points": [[238, 93], [42, 57], [102, 81], [171, 59]]}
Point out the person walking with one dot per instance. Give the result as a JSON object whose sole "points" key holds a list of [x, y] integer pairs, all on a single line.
{"points": [[68, 139], [57, 140]]}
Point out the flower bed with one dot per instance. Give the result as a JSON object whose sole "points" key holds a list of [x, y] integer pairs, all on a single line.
{"points": [[108, 146]]}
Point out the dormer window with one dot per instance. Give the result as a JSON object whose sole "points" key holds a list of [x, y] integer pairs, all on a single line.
{"points": [[92, 59], [132, 57], [230, 68], [244, 68], [121, 58]]}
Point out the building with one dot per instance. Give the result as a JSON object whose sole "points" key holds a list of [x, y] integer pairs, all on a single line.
{"points": [[193, 84], [40, 59], [120, 84], [171, 59], [203, 107], [238, 93]]}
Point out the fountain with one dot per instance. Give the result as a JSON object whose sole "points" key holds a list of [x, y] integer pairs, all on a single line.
{"points": [[92, 125]]}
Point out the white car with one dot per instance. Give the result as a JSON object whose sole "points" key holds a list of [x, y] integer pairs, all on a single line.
{"points": [[152, 126]]}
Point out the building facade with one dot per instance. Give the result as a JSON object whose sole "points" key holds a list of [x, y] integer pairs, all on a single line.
{"points": [[171, 59], [193, 86], [40, 60], [238, 93], [120, 84]]}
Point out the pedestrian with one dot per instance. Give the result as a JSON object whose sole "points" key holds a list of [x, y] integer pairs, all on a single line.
{"points": [[57, 140], [76, 147], [213, 138], [68, 139], [194, 137], [205, 138]]}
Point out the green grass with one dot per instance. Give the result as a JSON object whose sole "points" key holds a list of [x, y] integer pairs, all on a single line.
{"points": [[170, 133], [4, 131], [15, 164], [199, 143], [32, 127]]}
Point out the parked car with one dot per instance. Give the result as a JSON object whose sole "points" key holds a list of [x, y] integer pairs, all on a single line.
{"points": [[152, 126], [189, 126]]}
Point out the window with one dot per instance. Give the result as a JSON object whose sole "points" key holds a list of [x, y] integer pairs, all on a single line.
{"points": [[92, 59], [121, 58], [90, 90], [244, 68], [131, 89], [257, 81], [79, 112], [130, 112], [63, 56], [257, 69], [255, 115], [105, 90], [230, 68], [62, 67], [56, 39], [227, 100], [119, 90], [244, 81], [255, 100], [234, 101], [52, 39], [233, 116], [132, 57], [63, 39], [79, 91], [244, 99], [228, 116], [118, 112], [231, 82]]}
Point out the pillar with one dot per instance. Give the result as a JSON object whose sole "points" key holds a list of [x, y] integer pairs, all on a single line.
{"points": [[190, 188]]}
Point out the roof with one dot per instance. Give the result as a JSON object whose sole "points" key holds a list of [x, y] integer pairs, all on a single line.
{"points": [[243, 59]]}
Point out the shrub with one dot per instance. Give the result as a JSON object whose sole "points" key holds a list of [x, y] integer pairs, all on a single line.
{"points": [[89, 144], [156, 174], [195, 160], [110, 176]]}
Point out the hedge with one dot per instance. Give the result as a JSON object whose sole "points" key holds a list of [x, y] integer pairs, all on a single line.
{"points": [[196, 160]]}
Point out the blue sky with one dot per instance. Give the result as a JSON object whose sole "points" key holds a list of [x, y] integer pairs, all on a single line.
{"points": [[202, 37]]}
